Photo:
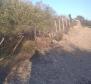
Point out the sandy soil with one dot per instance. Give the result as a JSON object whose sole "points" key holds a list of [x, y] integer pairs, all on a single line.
{"points": [[79, 37]]}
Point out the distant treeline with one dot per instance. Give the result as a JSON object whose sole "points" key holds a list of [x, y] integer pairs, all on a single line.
{"points": [[84, 21]]}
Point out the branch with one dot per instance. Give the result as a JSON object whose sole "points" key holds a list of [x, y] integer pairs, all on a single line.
{"points": [[18, 44], [2, 41]]}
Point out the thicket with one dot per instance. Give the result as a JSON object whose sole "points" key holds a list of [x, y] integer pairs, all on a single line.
{"points": [[17, 17]]}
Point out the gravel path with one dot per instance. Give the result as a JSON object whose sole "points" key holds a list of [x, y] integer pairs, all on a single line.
{"points": [[59, 67]]}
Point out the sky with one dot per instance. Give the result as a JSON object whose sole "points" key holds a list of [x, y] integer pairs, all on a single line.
{"points": [[73, 7]]}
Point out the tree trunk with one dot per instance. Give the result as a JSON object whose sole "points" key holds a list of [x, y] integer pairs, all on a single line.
{"points": [[63, 25], [59, 24], [55, 22]]}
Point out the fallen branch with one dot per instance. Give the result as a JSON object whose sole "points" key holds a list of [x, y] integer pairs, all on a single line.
{"points": [[2, 41], [18, 44]]}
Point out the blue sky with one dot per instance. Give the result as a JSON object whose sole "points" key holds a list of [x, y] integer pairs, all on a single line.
{"points": [[73, 7]]}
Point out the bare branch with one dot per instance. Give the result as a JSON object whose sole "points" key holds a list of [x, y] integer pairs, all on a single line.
{"points": [[2, 41], [18, 43]]}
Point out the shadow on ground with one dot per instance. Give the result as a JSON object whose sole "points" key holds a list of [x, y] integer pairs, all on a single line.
{"points": [[61, 67], [4, 71]]}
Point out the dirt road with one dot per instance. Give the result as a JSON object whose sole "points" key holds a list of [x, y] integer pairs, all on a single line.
{"points": [[70, 63]]}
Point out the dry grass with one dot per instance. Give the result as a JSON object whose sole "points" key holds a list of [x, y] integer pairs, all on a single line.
{"points": [[28, 46], [43, 43]]}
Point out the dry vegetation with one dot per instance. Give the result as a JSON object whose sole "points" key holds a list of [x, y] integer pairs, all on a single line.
{"points": [[25, 28], [21, 23]]}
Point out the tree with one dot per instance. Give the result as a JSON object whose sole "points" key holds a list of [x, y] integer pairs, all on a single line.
{"points": [[81, 19]]}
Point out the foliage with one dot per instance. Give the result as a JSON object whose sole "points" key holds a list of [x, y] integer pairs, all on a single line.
{"points": [[18, 16], [17, 12]]}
